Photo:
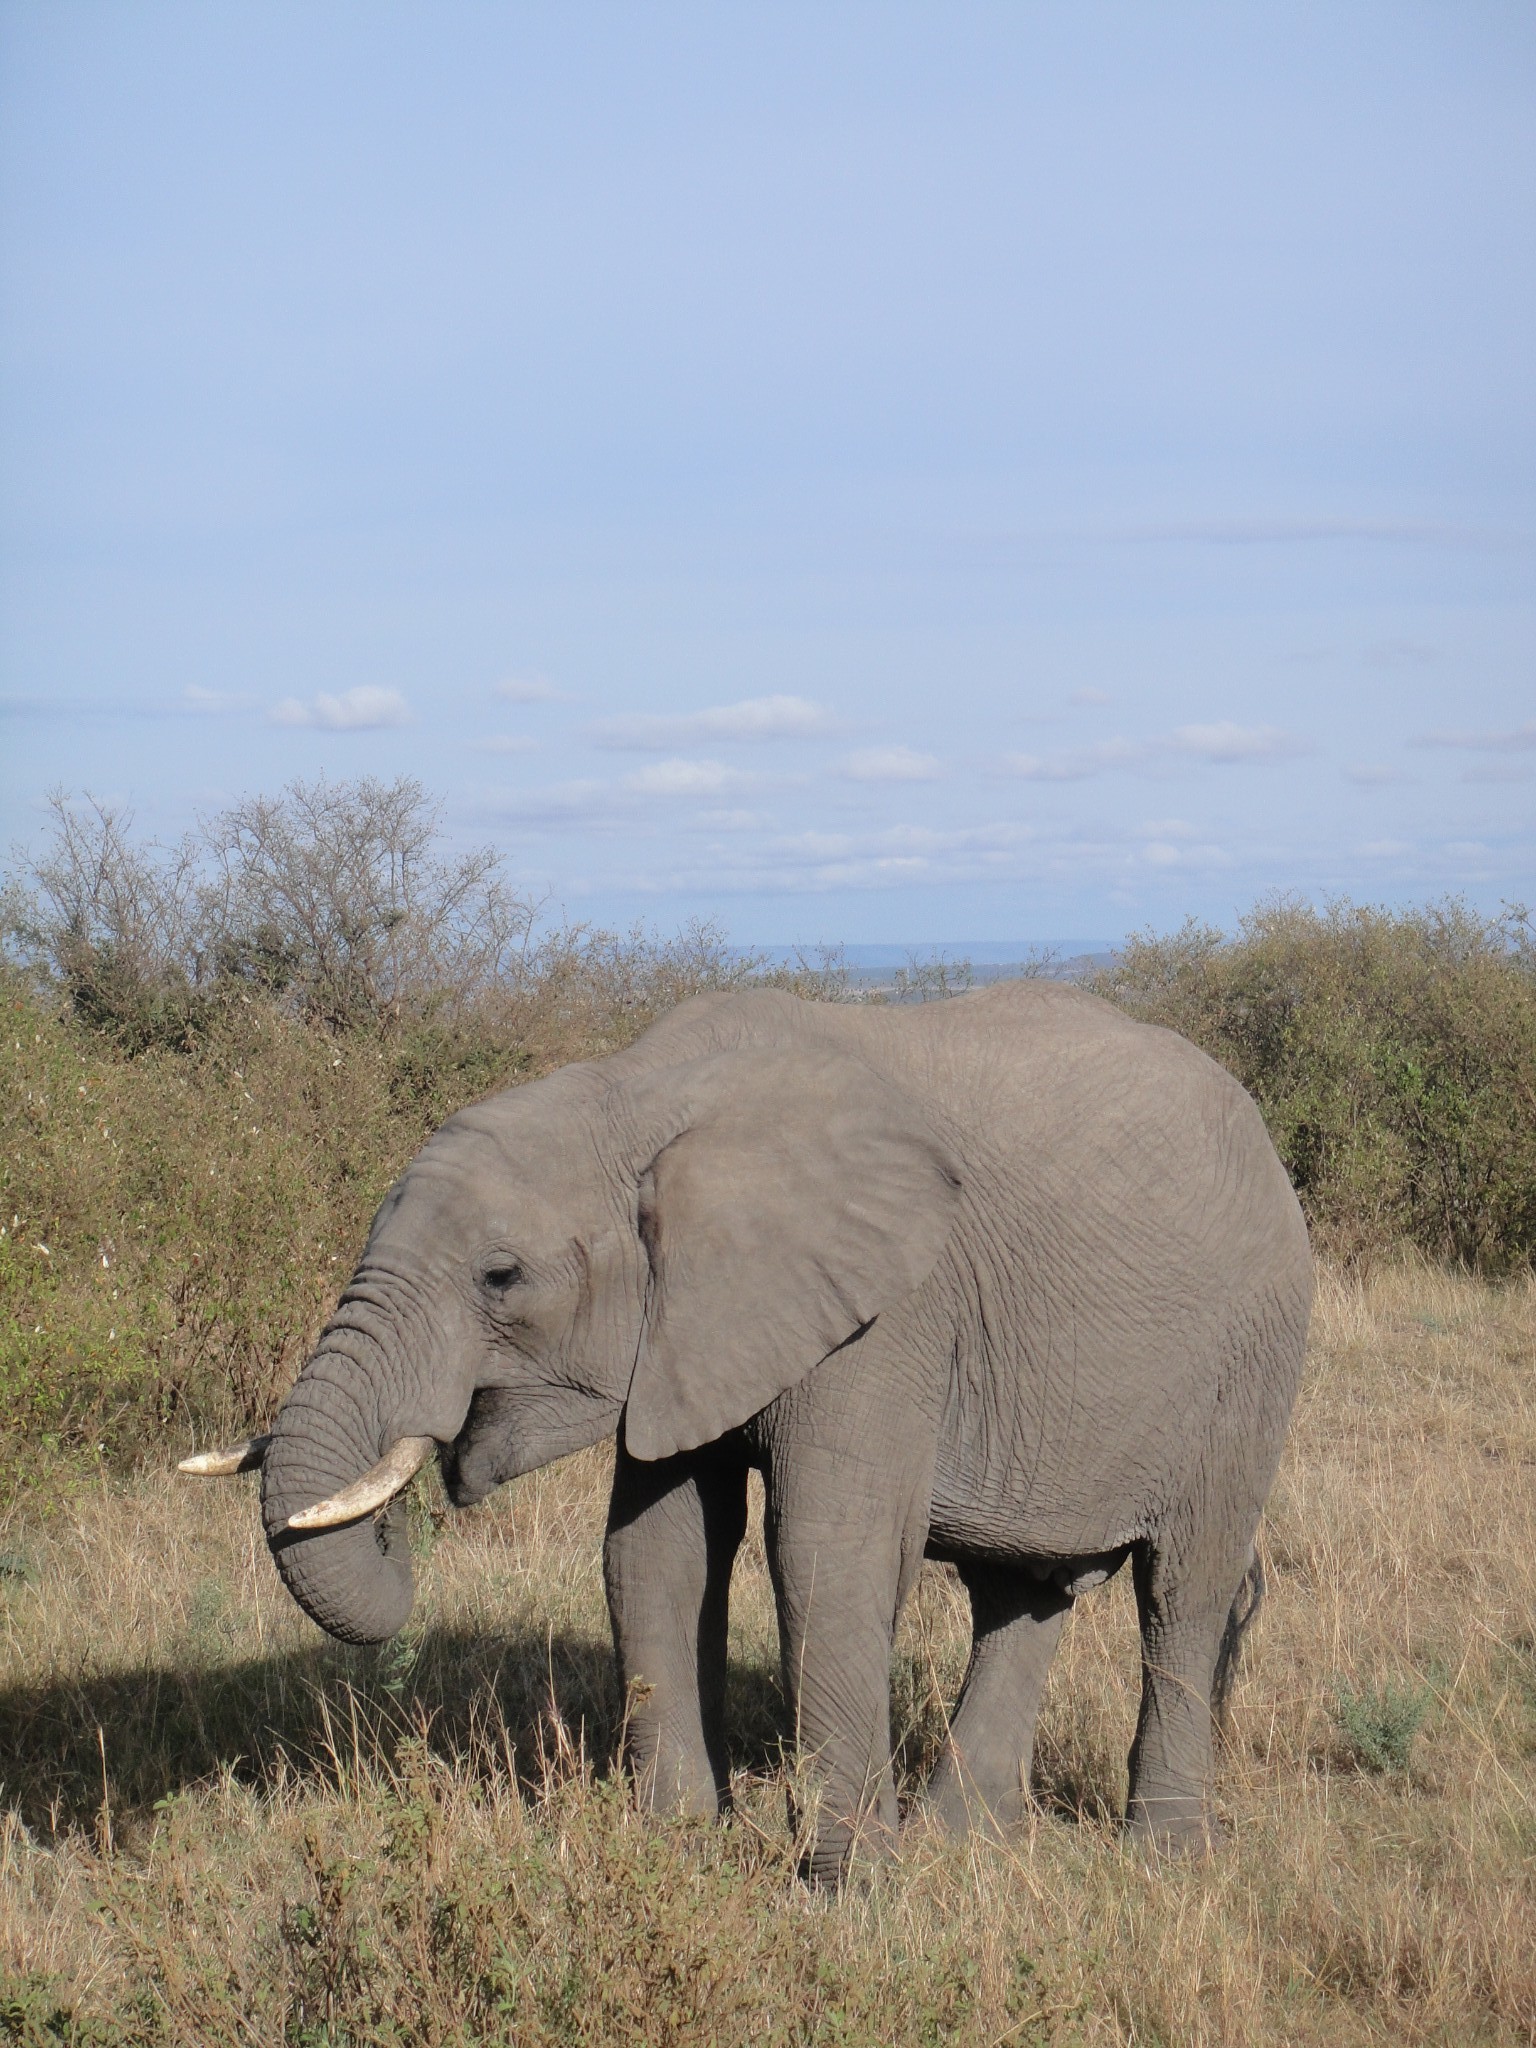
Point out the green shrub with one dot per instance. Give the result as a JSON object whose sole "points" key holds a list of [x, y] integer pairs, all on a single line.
{"points": [[1393, 1054], [1379, 1723]]}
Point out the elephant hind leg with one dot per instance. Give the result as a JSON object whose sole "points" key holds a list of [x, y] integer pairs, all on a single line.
{"points": [[1240, 1618], [982, 1779], [1184, 1594]]}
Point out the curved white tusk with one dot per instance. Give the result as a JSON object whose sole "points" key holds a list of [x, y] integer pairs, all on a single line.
{"points": [[396, 1469], [224, 1464]]}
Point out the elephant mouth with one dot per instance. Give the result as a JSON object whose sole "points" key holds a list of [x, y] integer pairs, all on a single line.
{"points": [[484, 1452]]}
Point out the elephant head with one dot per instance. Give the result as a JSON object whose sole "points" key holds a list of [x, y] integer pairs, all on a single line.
{"points": [[670, 1246]]}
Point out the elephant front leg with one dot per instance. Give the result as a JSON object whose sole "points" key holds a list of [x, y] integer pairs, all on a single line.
{"points": [[846, 1520], [837, 1595], [673, 1531], [983, 1776]]}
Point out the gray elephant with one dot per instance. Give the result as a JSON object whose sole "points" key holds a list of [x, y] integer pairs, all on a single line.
{"points": [[1011, 1281]]}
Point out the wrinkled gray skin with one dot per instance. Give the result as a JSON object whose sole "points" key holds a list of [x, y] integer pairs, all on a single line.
{"points": [[1009, 1280]]}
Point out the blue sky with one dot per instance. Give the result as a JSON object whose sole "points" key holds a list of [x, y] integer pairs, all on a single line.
{"points": [[864, 472]]}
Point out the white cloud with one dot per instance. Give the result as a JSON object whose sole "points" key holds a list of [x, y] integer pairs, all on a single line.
{"points": [[752, 720], [1222, 744], [526, 690], [1050, 767], [1079, 763], [364, 709], [816, 846], [733, 821], [685, 778], [1521, 738], [1225, 741], [505, 743], [198, 699], [1089, 697], [1162, 853], [892, 764], [606, 805], [814, 861]]}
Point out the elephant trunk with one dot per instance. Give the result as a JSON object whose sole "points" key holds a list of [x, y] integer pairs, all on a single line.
{"points": [[346, 1411]]}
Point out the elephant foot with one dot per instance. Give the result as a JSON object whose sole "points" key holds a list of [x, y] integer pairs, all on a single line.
{"points": [[839, 1849], [961, 1802], [1170, 1828]]}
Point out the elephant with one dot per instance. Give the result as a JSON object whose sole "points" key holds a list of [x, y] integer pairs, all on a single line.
{"points": [[1012, 1281]]}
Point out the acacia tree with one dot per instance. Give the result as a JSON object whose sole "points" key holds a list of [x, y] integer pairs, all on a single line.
{"points": [[334, 894], [332, 897]]}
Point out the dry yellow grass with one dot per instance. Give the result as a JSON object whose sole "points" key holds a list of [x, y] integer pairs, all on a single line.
{"points": [[216, 1828]]}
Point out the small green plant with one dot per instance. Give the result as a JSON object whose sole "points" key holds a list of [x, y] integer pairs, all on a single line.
{"points": [[209, 1624], [1379, 1722]]}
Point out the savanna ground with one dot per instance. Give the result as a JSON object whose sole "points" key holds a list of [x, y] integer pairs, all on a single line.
{"points": [[217, 1827]]}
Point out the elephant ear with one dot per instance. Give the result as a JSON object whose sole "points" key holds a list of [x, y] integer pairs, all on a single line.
{"points": [[799, 1194]]}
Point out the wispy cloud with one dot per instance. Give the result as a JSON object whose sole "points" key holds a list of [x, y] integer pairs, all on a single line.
{"points": [[892, 764], [1283, 529], [1223, 744], [1520, 738], [732, 820], [1373, 774], [192, 703], [1089, 697], [506, 743], [557, 803], [685, 778], [363, 709], [1499, 771], [1163, 853], [526, 690], [752, 720], [593, 801], [815, 861], [210, 702], [1225, 741], [1400, 654], [1076, 764]]}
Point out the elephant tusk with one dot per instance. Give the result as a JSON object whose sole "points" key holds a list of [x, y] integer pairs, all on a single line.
{"points": [[396, 1469], [242, 1457]]}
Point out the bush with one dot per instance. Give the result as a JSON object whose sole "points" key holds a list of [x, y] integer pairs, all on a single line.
{"points": [[1379, 1723], [1393, 1055], [331, 899]]}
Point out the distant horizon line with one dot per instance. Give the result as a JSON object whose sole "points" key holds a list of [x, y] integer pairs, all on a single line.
{"points": [[897, 952]]}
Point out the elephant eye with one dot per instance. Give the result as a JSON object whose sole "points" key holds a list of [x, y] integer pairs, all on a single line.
{"points": [[500, 1278]]}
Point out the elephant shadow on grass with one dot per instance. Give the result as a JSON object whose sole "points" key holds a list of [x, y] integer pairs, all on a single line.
{"points": [[538, 1705], [120, 1744]]}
